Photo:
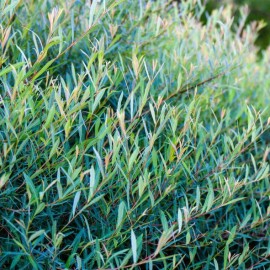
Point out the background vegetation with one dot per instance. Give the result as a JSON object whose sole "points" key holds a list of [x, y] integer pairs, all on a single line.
{"points": [[258, 10], [132, 136]]}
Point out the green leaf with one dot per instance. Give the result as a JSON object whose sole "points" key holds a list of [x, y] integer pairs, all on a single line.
{"points": [[50, 117], [134, 246], [44, 69], [35, 235], [100, 163], [75, 202], [163, 221], [234, 201], [188, 237], [32, 191], [179, 220], [10, 68], [40, 208], [121, 211]]}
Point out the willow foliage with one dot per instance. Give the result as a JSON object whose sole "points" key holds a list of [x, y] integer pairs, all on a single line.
{"points": [[132, 136]]}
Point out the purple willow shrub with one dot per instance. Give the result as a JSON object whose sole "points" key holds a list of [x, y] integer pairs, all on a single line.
{"points": [[132, 136]]}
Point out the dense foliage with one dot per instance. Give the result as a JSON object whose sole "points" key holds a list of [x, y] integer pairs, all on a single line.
{"points": [[132, 136]]}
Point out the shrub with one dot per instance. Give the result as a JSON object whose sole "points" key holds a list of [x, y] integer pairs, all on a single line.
{"points": [[132, 137]]}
